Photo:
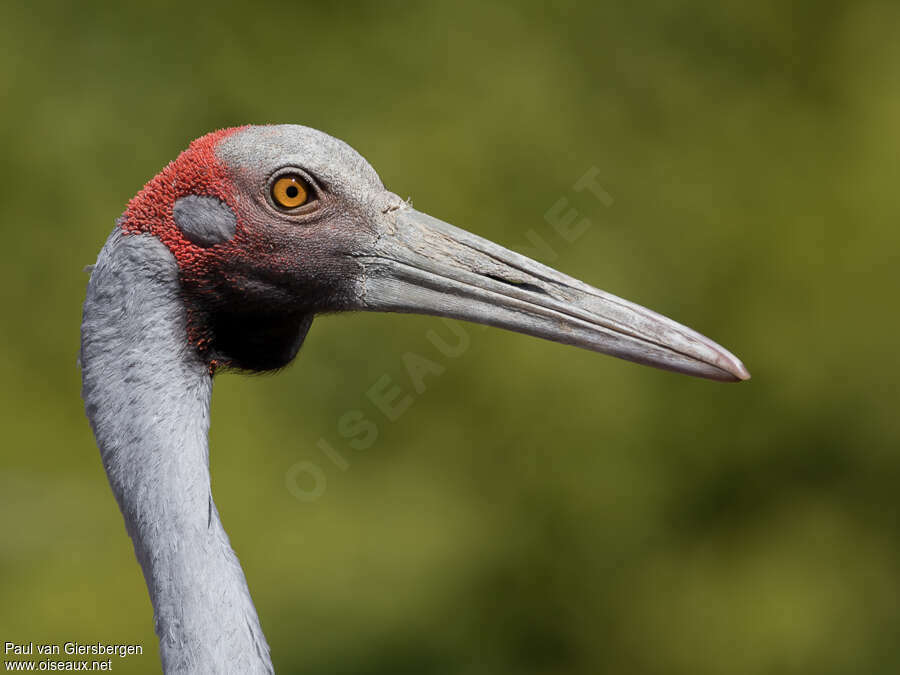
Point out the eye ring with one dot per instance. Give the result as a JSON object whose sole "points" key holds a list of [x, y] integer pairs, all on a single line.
{"points": [[290, 191]]}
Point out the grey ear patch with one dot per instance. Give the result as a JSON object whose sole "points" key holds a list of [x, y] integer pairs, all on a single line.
{"points": [[205, 221]]}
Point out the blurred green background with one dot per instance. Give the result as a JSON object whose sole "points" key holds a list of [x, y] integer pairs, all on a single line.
{"points": [[538, 509]]}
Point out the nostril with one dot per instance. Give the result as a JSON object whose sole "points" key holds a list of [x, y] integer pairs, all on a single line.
{"points": [[523, 285]]}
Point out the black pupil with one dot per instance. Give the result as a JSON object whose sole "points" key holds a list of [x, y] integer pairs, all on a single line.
{"points": [[292, 191]]}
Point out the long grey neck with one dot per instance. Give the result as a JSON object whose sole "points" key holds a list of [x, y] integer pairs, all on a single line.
{"points": [[147, 396]]}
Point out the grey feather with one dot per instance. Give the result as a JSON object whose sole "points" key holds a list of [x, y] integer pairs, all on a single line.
{"points": [[204, 220], [147, 396]]}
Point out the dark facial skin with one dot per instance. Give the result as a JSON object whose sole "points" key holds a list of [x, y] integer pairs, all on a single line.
{"points": [[256, 299], [251, 299]]}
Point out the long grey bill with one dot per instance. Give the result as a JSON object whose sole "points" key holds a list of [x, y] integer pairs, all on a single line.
{"points": [[422, 265]]}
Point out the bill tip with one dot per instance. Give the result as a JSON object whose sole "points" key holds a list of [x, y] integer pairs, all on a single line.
{"points": [[740, 372]]}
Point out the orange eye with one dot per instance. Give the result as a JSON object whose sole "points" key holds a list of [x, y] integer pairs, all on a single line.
{"points": [[290, 191]]}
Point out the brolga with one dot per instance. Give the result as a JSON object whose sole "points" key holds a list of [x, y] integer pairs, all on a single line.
{"points": [[221, 262]]}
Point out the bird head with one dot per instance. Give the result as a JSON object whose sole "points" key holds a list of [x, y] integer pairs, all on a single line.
{"points": [[271, 225]]}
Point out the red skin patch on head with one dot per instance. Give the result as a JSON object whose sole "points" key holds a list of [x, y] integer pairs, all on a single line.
{"points": [[241, 297], [196, 171]]}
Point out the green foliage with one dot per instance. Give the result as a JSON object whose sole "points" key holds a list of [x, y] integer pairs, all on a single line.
{"points": [[537, 509]]}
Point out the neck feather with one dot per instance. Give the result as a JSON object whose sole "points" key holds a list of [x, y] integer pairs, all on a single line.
{"points": [[147, 397]]}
